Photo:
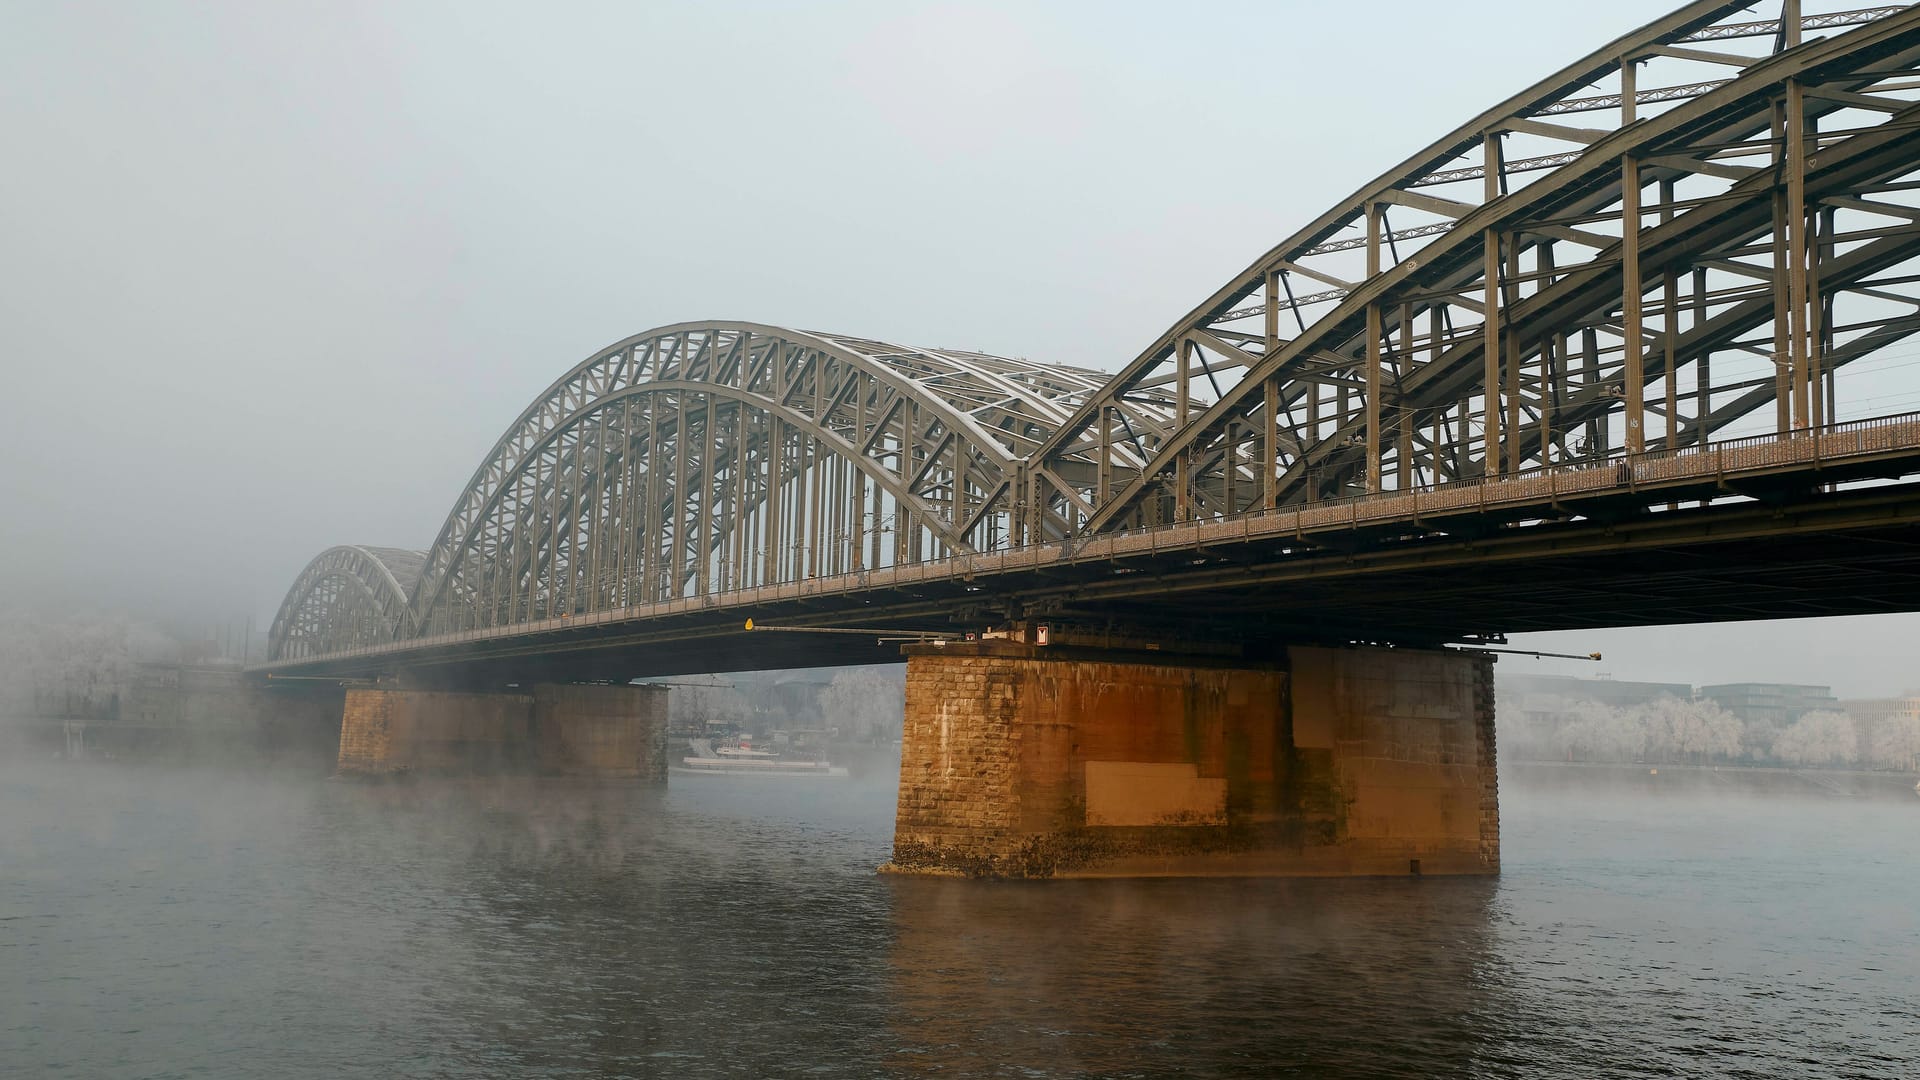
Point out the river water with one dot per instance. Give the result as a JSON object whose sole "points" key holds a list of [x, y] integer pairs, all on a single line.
{"points": [[157, 922]]}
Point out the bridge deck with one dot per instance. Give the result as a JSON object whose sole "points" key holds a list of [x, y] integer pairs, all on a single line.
{"points": [[1442, 562]]}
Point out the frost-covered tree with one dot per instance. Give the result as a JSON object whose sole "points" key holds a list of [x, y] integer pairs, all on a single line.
{"points": [[1896, 742], [17, 654], [1590, 731], [712, 706], [865, 703], [1694, 731], [1756, 739], [73, 665], [1529, 726], [1818, 738]]}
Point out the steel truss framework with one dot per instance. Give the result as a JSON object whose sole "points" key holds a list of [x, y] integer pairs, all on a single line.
{"points": [[1694, 228], [347, 597], [1687, 235], [707, 457]]}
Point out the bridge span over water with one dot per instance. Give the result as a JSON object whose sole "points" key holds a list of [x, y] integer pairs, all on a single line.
{"points": [[1629, 347]]}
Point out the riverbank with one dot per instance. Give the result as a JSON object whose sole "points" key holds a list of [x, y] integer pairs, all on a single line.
{"points": [[1597, 777]]}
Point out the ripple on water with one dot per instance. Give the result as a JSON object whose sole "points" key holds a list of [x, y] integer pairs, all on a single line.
{"points": [[160, 923]]}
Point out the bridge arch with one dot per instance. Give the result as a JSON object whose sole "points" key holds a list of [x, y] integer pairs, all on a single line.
{"points": [[347, 597], [708, 456]]}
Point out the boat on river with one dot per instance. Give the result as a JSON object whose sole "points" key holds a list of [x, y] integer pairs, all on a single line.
{"points": [[743, 758]]}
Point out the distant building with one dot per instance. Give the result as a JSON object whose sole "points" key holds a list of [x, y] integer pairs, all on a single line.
{"points": [[1537, 701], [1870, 713], [1867, 710], [1775, 705], [1614, 692]]}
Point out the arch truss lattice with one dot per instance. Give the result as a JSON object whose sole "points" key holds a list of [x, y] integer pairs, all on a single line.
{"points": [[347, 597], [1696, 231], [702, 458], [1709, 227], [708, 457]]}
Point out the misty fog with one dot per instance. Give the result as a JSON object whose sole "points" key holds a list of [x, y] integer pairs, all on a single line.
{"points": [[274, 278]]}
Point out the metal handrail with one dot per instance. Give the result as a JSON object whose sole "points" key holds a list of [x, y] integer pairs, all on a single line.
{"points": [[1811, 436]]}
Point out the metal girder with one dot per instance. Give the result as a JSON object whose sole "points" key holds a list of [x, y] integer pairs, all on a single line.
{"points": [[1564, 306], [707, 456], [346, 596], [802, 452]]}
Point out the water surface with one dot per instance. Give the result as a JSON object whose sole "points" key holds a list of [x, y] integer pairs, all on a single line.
{"points": [[161, 922]]}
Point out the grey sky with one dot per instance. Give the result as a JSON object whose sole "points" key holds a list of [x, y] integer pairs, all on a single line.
{"points": [[274, 276]]}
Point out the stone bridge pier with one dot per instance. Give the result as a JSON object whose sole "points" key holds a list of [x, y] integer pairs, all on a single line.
{"points": [[559, 729], [1020, 760]]}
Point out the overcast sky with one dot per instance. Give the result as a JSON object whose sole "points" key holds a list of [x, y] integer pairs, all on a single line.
{"points": [[274, 276]]}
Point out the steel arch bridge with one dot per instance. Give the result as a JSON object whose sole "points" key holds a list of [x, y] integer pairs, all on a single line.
{"points": [[1708, 228], [347, 597], [701, 458]]}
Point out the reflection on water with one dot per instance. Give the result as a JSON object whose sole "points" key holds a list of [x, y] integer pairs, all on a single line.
{"points": [[1243, 976], [157, 922]]}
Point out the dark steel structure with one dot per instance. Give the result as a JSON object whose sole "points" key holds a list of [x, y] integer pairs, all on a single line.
{"points": [[1648, 304], [1688, 232], [706, 458]]}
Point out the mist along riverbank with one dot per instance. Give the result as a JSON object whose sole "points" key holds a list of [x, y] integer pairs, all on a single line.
{"points": [[1758, 781], [156, 921]]}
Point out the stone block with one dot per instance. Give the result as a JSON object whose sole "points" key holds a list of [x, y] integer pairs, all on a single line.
{"points": [[1030, 762], [602, 730], [396, 731]]}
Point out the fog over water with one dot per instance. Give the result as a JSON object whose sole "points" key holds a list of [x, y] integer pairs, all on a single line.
{"points": [[166, 923]]}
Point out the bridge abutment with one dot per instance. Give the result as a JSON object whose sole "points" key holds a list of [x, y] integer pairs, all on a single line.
{"points": [[1027, 761], [599, 731]]}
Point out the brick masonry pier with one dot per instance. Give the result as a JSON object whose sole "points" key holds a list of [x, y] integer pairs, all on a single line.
{"points": [[593, 730], [586, 730], [1026, 761]]}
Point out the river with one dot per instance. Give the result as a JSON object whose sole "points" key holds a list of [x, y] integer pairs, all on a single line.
{"points": [[165, 922]]}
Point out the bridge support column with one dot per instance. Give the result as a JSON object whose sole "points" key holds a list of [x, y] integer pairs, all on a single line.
{"points": [[1024, 761], [385, 732], [607, 731], [612, 731]]}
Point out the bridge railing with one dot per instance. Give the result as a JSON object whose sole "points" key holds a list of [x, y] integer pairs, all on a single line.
{"points": [[1550, 483], [1835, 443]]}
